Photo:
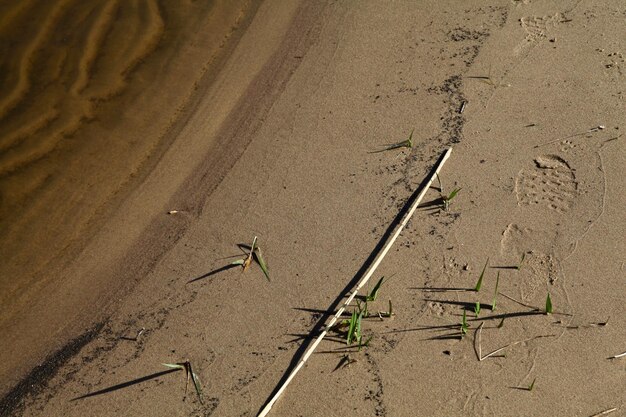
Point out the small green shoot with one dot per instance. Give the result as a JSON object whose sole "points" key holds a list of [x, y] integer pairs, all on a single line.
{"points": [[480, 279], [366, 343], [262, 263], [477, 308], [355, 334], [362, 308], [352, 329], [357, 330], [447, 199], [255, 253], [374, 293], [532, 385], [464, 325], [495, 294], [186, 366], [408, 143], [245, 262], [519, 265], [548, 304]]}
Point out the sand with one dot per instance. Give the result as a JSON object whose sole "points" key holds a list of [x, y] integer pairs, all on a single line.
{"points": [[259, 119]]}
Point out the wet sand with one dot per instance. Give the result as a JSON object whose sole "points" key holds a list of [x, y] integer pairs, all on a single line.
{"points": [[272, 136]]}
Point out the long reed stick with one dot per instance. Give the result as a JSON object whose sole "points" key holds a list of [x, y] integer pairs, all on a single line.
{"points": [[360, 285]]}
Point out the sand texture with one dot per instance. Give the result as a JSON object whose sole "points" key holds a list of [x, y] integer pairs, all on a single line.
{"points": [[144, 144]]}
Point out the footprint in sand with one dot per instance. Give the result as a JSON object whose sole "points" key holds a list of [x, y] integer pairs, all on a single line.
{"points": [[536, 28], [550, 183], [539, 268]]}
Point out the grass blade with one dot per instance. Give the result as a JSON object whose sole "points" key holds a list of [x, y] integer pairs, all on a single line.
{"points": [[408, 143], [548, 304], [196, 383], [352, 328], [262, 263], [464, 325], [453, 194], [493, 304], [480, 279], [374, 293]]}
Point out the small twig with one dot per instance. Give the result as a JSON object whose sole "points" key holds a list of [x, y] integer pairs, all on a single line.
{"points": [[477, 333], [605, 412], [519, 302], [555, 313], [621, 355], [136, 338], [592, 130], [482, 358]]}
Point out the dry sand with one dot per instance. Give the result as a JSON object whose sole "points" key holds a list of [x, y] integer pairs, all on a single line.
{"points": [[259, 119]]}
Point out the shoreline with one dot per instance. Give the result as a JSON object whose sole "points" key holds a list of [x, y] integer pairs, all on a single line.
{"points": [[57, 350]]}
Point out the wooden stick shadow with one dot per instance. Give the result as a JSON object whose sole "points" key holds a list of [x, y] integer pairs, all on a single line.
{"points": [[315, 311], [437, 203], [318, 327], [308, 337], [126, 384]]}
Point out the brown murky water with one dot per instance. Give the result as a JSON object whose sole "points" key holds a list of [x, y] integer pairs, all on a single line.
{"points": [[88, 92]]}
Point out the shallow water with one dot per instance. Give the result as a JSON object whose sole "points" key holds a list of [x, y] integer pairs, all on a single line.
{"points": [[88, 93]]}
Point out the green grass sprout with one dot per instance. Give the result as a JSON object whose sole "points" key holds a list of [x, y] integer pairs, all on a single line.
{"points": [[480, 279], [352, 328], [447, 199], [495, 294], [190, 375], [408, 143], [366, 343], [548, 304], [477, 308], [255, 253], [259, 257], [532, 385], [464, 325], [374, 293]]}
